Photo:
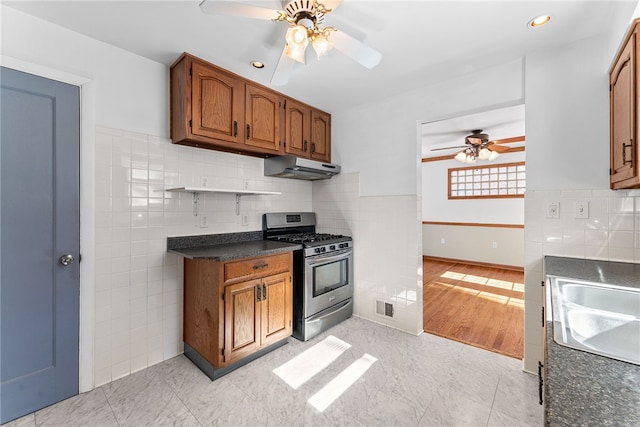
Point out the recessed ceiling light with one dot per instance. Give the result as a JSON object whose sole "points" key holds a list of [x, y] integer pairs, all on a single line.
{"points": [[257, 64], [539, 21]]}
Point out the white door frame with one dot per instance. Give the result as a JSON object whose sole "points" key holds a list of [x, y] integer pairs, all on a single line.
{"points": [[87, 206]]}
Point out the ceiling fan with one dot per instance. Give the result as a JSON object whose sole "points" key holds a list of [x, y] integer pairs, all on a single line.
{"points": [[478, 146], [305, 19]]}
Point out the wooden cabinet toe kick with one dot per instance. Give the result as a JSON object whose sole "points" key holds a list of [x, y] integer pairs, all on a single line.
{"points": [[214, 373]]}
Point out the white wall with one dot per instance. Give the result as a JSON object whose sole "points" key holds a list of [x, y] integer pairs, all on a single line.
{"points": [[436, 205], [380, 141], [131, 92]]}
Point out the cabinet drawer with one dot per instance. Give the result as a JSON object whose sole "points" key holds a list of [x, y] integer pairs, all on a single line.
{"points": [[256, 267]]}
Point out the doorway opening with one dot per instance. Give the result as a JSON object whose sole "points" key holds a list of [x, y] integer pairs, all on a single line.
{"points": [[473, 228]]}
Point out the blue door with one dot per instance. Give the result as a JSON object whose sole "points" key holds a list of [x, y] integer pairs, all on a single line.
{"points": [[39, 242]]}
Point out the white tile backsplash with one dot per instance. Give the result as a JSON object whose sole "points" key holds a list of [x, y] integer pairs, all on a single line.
{"points": [[138, 304], [387, 247]]}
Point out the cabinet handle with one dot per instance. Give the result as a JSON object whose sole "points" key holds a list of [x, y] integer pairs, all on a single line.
{"points": [[248, 131], [313, 147], [258, 293], [235, 128], [304, 148], [264, 292], [540, 381], [260, 266], [624, 153]]}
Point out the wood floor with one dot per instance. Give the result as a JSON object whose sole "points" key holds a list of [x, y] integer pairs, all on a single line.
{"points": [[480, 306]]}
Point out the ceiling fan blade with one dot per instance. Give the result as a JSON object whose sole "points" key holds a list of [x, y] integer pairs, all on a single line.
{"points": [[283, 70], [355, 49], [237, 9], [508, 140], [448, 148], [498, 148], [331, 4]]}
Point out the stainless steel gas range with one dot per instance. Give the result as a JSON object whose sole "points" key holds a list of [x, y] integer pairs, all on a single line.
{"points": [[322, 272]]}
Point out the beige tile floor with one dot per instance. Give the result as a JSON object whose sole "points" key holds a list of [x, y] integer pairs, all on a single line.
{"points": [[416, 381]]}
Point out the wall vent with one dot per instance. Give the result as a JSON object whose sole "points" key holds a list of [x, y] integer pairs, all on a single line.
{"points": [[384, 308]]}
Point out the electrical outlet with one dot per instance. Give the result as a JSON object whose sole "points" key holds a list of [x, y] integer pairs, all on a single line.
{"points": [[204, 222], [494, 245], [442, 241], [245, 184], [245, 220], [553, 210], [204, 181], [581, 210]]}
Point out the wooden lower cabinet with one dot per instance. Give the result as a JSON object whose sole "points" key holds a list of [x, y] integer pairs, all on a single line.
{"points": [[235, 309], [257, 314]]}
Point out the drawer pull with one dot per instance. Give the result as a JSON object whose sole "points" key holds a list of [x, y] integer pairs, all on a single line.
{"points": [[258, 293], [260, 266], [264, 292]]}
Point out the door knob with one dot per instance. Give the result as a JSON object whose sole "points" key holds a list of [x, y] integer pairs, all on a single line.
{"points": [[66, 259]]}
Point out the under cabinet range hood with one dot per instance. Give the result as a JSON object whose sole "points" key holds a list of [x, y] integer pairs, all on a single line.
{"points": [[298, 168]]}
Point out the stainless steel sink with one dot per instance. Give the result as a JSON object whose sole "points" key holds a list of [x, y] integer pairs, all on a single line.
{"points": [[598, 318]]}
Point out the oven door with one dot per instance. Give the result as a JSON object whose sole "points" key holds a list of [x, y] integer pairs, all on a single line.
{"points": [[328, 280]]}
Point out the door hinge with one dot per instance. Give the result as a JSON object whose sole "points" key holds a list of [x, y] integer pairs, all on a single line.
{"points": [[191, 71], [542, 283], [190, 123], [610, 171], [543, 316]]}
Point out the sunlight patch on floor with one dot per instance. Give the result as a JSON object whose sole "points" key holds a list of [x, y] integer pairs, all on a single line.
{"points": [[345, 379], [305, 365], [481, 292]]}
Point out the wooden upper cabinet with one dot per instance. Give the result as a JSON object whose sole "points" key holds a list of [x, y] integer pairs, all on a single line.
{"points": [[298, 128], [320, 136], [216, 109], [263, 115], [623, 97], [216, 104]]}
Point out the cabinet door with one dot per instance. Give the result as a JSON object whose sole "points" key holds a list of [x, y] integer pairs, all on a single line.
{"points": [[297, 129], [263, 114], [276, 308], [241, 319], [216, 104], [320, 136], [623, 115]]}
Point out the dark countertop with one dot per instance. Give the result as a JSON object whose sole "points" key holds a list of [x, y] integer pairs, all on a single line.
{"points": [[225, 247], [582, 388]]}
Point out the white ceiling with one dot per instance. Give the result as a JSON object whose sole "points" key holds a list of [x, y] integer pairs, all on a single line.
{"points": [[421, 41]]}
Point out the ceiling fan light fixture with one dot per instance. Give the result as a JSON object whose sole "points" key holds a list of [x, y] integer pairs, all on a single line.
{"points": [[297, 36], [297, 42], [494, 155], [484, 153], [461, 157], [321, 44], [295, 53]]}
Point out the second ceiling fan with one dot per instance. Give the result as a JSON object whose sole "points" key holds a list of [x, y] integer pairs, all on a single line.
{"points": [[478, 146], [305, 19]]}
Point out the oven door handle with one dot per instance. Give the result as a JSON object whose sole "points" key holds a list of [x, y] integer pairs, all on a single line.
{"points": [[321, 259], [320, 316]]}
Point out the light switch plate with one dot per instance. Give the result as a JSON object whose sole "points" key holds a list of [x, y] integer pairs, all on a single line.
{"points": [[581, 210], [553, 210]]}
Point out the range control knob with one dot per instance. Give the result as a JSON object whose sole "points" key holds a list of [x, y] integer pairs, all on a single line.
{"points": [[332, 247]]}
